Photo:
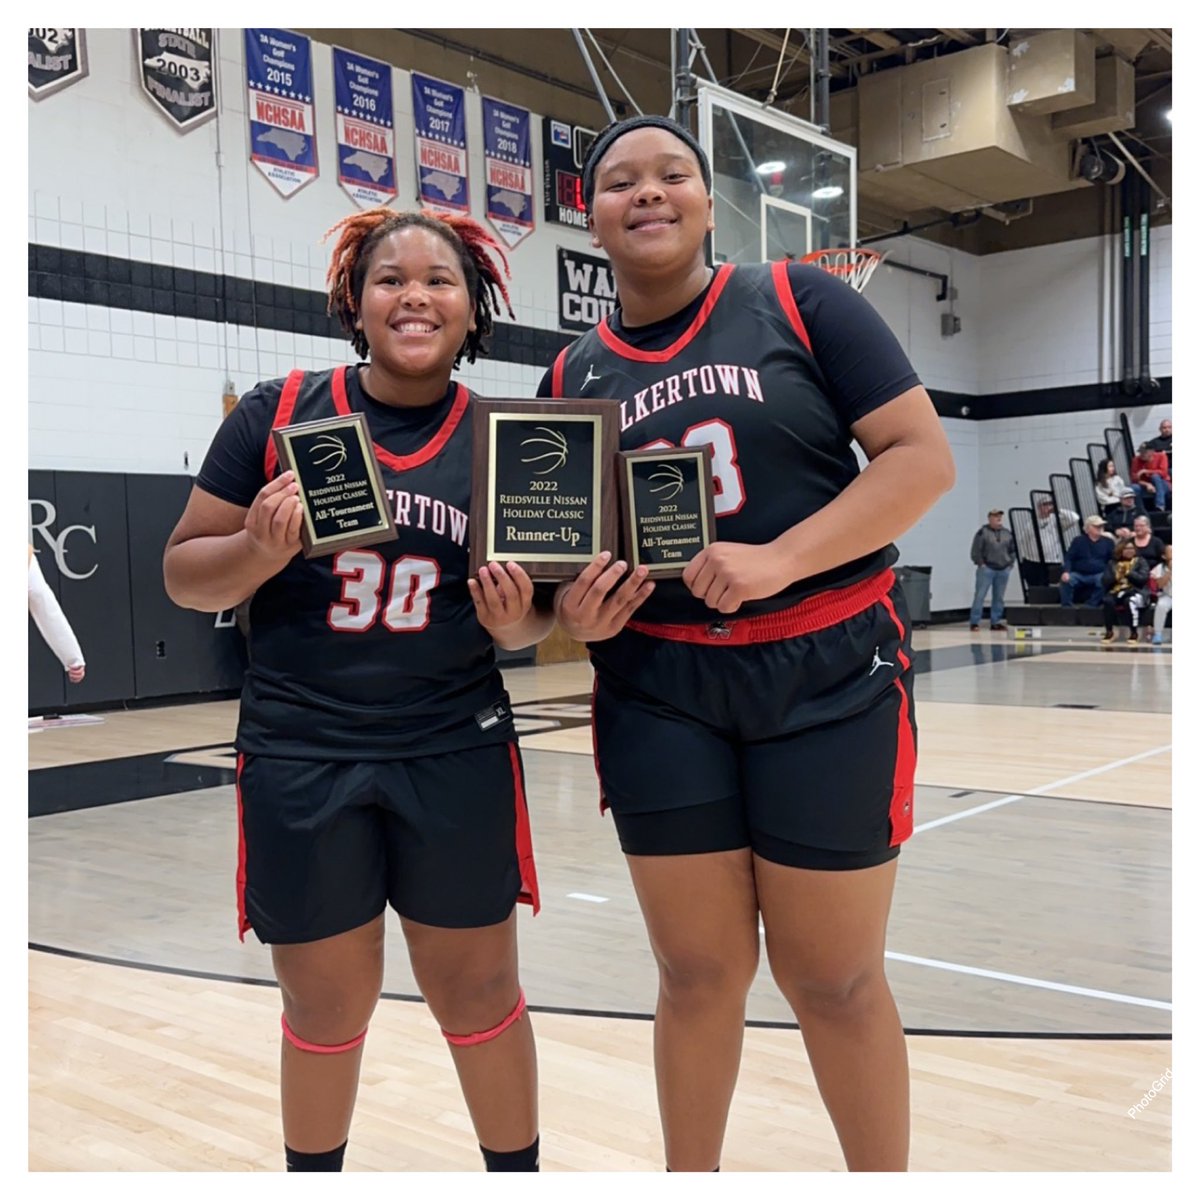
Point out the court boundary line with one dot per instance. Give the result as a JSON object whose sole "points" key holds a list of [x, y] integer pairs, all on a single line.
{"points": [[562, 1011], [1040, 792], [984, 791]]}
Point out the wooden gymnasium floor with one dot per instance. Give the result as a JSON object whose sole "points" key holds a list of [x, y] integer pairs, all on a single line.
{"points": [[1029, 947]]}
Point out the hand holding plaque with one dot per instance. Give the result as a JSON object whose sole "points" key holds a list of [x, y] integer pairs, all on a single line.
{"points": [[666, 507], [341, 487], [542, 492]]}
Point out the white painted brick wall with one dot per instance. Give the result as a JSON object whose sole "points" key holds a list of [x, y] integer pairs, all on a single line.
{"points": [[127, 391]]}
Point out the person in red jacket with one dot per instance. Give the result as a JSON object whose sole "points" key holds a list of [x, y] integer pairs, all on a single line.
{"points": [[1149, 470]]}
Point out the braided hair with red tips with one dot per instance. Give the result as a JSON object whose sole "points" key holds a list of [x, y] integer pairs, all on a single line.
{"points": [[361, 232]]}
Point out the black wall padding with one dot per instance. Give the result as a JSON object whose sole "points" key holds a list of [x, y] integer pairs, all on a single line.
{"points": [[176, 651], [111, 529]]}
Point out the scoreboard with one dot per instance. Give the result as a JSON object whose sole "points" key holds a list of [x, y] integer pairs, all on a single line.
{"points": [[564, 150]]}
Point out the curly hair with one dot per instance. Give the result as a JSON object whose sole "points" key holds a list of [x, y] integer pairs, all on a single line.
{"points": [[361, 232]]}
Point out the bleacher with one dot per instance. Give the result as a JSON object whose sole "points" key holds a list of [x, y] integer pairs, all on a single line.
{"points": [[1039, 561]]}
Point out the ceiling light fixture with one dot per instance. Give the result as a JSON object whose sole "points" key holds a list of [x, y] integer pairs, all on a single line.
{"points": [[771, 168], [829, 192]]}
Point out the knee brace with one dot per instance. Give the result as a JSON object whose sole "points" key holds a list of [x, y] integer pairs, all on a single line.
{"points": [[476, 1039], [312, 1047]]}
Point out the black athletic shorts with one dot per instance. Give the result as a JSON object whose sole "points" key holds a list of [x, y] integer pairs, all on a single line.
{"points": [[323, 847], [793, 733]]}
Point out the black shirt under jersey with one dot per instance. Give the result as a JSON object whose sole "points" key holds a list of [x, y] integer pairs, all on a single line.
{"points": [[776, 402], [373, 653]]}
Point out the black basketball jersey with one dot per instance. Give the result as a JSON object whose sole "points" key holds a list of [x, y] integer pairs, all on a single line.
{"points": [[376, 653], [741, 379]]}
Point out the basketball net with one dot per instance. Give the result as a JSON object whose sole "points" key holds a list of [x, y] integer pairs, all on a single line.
{"points": [[852, 266]]}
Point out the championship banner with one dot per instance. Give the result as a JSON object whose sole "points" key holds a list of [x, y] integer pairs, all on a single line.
{"points": [[509, 170], [587, 292], [440, 117], [283, 141], [57, 58], [176, 71], [362, 89]]}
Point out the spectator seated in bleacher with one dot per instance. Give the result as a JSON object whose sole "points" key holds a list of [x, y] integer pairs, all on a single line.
{"points": [[1120, 524], [1083, 566], [1109, 486], [1148, 546], [1049, 525], [1149, 470], [1163, 441], [1125, 582], [1160, 591]]}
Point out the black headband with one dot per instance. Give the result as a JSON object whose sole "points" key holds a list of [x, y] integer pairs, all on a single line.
{"points": [[610, 133]]}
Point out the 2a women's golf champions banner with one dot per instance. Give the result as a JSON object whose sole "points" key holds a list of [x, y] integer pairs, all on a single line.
{"points": [[366, 138], [440, 117], [283, 142], [509, 170]]}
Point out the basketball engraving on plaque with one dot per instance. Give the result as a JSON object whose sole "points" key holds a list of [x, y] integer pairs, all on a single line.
{"points": [[666, 507]]}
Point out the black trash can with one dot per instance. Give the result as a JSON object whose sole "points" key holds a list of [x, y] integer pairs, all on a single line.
{"points": [[915, 584]]}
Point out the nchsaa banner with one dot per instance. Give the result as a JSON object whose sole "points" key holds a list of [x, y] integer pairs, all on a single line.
{"points": [[366, 137], [440, 117], [508, 168], [283, 141]]}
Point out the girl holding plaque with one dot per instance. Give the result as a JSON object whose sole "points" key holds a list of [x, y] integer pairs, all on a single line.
{"points": [[754, 720], [378, 763]]}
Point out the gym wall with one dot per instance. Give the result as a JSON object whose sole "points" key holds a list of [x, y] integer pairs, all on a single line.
{"points": [[130, 381]]}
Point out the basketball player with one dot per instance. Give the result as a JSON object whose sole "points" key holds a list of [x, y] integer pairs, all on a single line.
{"points": [[754, 721], [52, 622], [378, 762]]}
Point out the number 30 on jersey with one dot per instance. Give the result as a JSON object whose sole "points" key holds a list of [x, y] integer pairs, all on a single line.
{"points": [[406, 608]]}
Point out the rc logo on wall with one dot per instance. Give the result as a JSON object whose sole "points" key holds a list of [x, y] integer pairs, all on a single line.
{"points": [[176, 71], [57, 58], [41, 529], [586, 290]]}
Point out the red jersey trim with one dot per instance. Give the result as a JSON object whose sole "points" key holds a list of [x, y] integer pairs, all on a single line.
{"points": [[619, 346], [431, 449], [283, 416], [556, 377], [787, 301], [810, 615]]}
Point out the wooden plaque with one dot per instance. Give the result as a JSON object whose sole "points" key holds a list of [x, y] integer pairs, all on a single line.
{"points": [[542, 487], [341, 486], [666, 507]]}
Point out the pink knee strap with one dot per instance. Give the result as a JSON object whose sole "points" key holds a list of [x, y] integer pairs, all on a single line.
{"points": [[312, 1047], [474, 1039]]}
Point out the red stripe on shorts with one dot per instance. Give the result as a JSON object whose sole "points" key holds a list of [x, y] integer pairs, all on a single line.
{"points": [[243, 924], [596, 749], [810, 615], [901, 812], [529, 884]]}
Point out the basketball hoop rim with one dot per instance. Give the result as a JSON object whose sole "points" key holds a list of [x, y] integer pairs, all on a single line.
{"points": [[856, 270]]}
